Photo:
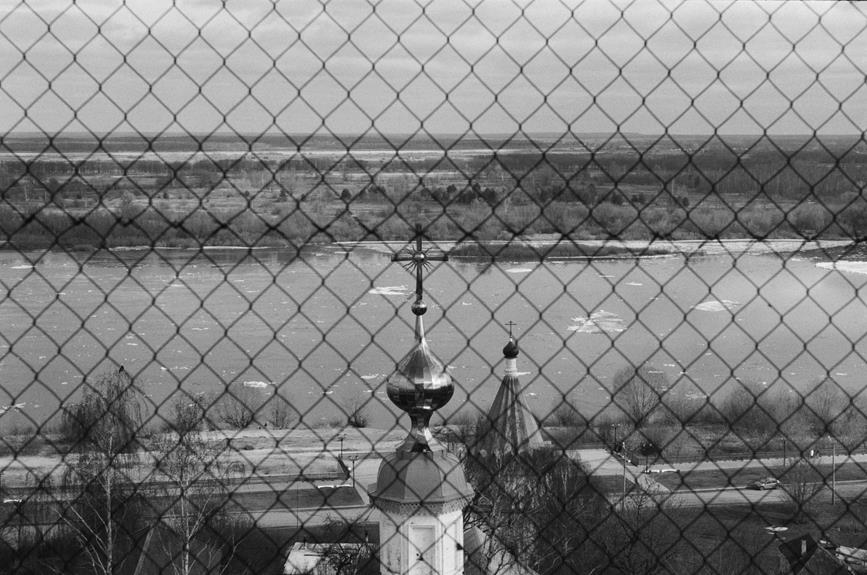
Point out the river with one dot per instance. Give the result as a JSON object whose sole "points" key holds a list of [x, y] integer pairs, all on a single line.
{"points": [[329, 326]]}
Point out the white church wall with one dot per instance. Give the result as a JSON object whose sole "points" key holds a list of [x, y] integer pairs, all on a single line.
{"points": [[421, 543]]}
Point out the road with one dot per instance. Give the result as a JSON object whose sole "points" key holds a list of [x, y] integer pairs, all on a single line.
{"points": [[364, 470], [846, 491], [273, 502], [601, 463]]}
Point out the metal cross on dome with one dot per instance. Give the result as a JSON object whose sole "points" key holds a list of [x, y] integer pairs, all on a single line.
{"points": [[510, 324], [418, 259]]}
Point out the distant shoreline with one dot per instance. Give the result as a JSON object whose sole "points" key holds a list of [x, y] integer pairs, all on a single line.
{"points": [[527, 249]]}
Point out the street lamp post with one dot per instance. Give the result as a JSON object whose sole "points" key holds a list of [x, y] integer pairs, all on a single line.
{"points": [[623, 498], [342, 437], [833, 470], [784, 451]]}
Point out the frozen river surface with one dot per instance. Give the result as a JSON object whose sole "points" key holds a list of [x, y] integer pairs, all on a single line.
{"points": [[328, 327]]}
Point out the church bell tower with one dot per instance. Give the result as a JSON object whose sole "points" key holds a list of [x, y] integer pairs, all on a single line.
{"points": [[420, 490]]}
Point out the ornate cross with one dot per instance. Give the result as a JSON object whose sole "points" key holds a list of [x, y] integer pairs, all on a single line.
{"points": [[418, 259], [511, 324]]}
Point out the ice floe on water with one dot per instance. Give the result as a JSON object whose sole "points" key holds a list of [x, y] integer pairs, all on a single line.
{"points": [[389, 290], [599, 322], [257, 384], [715, 305], [19, 406], [844, 266], [519, 270]]}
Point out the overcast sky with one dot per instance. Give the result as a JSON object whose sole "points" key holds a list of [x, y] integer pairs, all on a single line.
{"points": [[446, 66]]}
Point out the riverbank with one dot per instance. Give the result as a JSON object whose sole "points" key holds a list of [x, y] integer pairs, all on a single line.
{"points": [[286, 225], [538, 247]]}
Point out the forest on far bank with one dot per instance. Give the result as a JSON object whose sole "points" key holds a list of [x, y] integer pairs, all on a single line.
{"points": [[803, 189]]}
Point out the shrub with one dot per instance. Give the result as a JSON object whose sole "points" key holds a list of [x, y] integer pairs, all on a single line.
{"points": [[564, 414], [188, 413], [809, 218], [239, 406], [749, 408], [355, 409]]}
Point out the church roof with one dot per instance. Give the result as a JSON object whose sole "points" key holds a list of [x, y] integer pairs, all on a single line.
{"points": [[510, 427], [421, 478]]}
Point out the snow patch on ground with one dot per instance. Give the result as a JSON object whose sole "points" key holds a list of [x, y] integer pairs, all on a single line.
{"points": [[844, 266]]}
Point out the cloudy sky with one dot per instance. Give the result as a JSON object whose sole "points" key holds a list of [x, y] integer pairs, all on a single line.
{"points": [[445, 66]]}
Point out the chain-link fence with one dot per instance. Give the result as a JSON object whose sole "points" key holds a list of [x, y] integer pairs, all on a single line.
{"points": [[226, 224]]}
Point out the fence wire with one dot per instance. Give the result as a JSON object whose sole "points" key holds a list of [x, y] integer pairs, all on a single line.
{"points": [[656, 207]]}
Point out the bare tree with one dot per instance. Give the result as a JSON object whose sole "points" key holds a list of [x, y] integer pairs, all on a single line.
{"points": [[801, 486], [565, 414], [637, 391], [197, 477], [188, 414], [826, 408], [639, 538], [347, 553], [749, 408], [537, 509], [280, 413], [103, 428], [239, 406]]}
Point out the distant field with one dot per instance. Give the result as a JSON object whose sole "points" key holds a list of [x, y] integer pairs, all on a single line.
{"points": [[283, 191]]}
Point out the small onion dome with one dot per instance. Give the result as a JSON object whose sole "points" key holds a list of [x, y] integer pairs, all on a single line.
{"points": [[428, 478], [511, 349]]}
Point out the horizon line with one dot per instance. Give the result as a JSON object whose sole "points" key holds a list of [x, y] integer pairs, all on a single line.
{"points": [[427, 135]]}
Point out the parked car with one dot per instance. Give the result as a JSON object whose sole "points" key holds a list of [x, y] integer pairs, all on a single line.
{"points": [[765, 483]]}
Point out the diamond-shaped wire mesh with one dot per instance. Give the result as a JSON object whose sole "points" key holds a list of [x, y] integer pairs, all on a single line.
{"points": [[224, 222]]}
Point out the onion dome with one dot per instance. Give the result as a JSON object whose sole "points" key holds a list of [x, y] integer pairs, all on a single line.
{"points": [[510, 426], [511, 349], [420, 386]]}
